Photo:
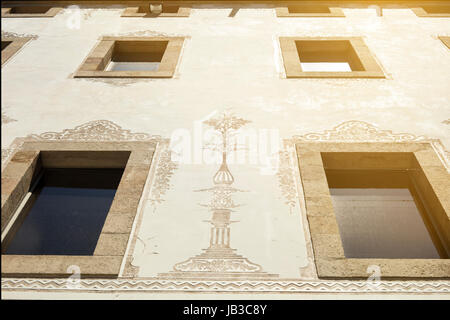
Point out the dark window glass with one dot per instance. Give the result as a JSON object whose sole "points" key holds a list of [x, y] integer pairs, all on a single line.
{"points": [[66, 212], [29, 10], [380, 215], [381, 223]]}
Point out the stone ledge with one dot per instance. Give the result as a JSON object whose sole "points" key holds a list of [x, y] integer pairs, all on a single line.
{"points": [[389, 268], [56, 266]]}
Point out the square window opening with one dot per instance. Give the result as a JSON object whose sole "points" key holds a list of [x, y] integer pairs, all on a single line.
{"points": [[132, 57], [138, 51], [437, 9], [165, 9], [308, 9], [382, 213], [66, 206], [328, 56], [137, 55], [29, 10]]}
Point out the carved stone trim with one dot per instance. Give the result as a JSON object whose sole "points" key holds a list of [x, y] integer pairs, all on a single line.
{"points": [[267, 286]]}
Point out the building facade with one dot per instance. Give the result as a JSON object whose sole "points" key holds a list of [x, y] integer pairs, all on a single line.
{"points": [[289, 149]]}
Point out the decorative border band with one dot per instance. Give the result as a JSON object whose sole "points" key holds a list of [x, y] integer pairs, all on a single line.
{"points": [[281, 286]]}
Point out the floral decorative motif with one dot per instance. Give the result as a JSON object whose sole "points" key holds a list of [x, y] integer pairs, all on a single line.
{"points": [[359, 131], [18, 35], [221, 199], [217, 265], [226, 122], [164, 171], [219, 259], [446, 121], [146, 33], [99, 130], [286, 180], [227, 125]]}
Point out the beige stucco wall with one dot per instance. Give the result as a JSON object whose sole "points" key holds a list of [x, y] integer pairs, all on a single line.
{"points": [[228, 62]]}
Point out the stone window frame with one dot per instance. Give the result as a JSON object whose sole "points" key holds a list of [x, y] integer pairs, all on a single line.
{"points": [[53, 11], [445, 40], [16, 44], [330, 260], [111, 246], [283, 12], [132, 12], [420, 12], [97, 60], [293, 68]]}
